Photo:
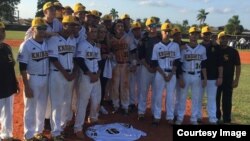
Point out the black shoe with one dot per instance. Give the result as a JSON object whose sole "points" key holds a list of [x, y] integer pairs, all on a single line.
{"points": [[47, 124], [115, 110], [125, 112], [132, 108], [141, 117], [155, 122]]}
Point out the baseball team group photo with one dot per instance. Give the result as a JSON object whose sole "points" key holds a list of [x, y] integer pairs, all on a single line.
{"points": [[105, 70]]}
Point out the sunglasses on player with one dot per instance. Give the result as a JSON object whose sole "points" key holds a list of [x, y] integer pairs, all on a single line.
{"points": [[41, 28]]}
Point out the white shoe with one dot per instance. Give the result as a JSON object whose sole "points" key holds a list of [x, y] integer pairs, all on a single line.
{"points": [[103, 110]]}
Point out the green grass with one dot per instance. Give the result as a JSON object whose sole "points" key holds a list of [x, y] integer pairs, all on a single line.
{"points": [[15, 35]]}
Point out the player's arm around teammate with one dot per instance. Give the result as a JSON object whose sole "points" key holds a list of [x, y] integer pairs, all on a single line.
{"points": [[34, 68]]}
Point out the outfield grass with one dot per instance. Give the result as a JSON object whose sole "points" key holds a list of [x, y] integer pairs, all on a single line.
{"points": [[15, 34]]}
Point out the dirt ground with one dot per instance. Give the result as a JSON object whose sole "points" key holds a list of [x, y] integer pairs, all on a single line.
{"points": [[163, 132]]}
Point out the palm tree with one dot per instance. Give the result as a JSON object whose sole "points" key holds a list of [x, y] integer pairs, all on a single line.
{"points": [[114, 13], [233, 26], [202, 15]]}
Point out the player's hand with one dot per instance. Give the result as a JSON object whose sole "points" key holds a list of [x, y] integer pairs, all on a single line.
{"points": [[219, 81], [204, 83], [151, 70], [235, 83], [133, 68], [93, 77], [181, 83], [28, 92]]}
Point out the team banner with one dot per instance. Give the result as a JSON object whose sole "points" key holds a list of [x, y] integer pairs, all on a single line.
{"points": [[212, 132]]}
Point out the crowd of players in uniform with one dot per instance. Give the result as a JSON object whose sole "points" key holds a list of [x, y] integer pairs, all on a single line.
{"points": [[73, 57]]}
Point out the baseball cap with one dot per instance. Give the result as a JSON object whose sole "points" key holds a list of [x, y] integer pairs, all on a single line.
{"points": [[38, 21], [166, 27], [175, 30], [79, 8], [107, 17], [222, 34], [2, 25], [135, 25], [150, 21], [95, 13], [193, 29], [125, 16], [205, 29], [47, 5], [69, 19]]}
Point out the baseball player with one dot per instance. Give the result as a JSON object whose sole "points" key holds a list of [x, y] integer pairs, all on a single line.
{"points": [[166, 57], [177, 38], [9, 86], [62, 72], [34, 68], [88, 58], [127, 22], [231, 75], [53, 24], [193, 64], [135, 68], [147, 69], [214, 75]]}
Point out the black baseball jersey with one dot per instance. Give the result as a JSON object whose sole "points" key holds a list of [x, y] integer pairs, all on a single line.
{"points": [[214, 60], [146, 46], [231, 58], [8, 82]]}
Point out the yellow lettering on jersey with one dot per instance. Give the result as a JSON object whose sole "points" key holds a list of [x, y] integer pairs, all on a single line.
{"points": [[39, 55], [91, 55], [191, 57], [66, 49], [168, 54]]}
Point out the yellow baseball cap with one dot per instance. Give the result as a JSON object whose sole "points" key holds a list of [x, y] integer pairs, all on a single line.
{"points": [[38, 21], [95, 13], [107, 17], [48, 5], [79, 8], [193, 29], [150, 21], [125, 16], [166, 27], [205, 29], [2, 25], [135, 25], [222, 34], [69, 19], [175, 30]]}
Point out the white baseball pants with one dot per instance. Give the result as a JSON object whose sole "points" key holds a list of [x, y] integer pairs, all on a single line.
{"points": [[134, 88], [35, 108], [6, 119]]}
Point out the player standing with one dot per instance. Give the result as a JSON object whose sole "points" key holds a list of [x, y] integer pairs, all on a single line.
{"points": [[147, 68], [34, 68], [214, 75], [88, 58], [62, 72], [9, 86], [166, 57], [193, 64], [231, 75]]}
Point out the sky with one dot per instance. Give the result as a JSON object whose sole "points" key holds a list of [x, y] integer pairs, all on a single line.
{"points": [[220, 11]]}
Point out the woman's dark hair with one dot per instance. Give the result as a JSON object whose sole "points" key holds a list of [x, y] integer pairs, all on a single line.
{"points": [[114, 24]]}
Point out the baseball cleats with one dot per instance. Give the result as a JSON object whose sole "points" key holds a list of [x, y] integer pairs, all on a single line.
{"points": [[41, 137], [141, 117], [103, 110], [79, 135], [156, 122]]}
